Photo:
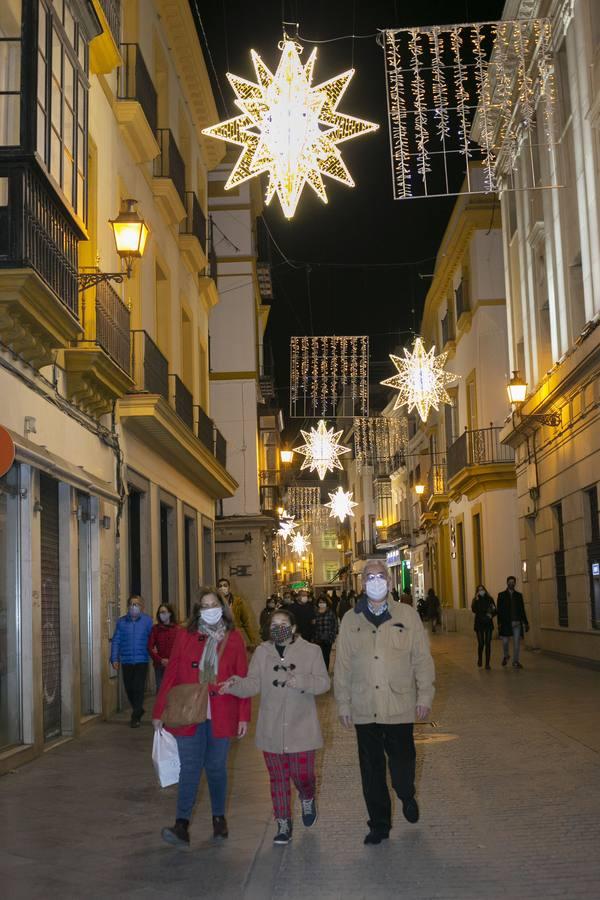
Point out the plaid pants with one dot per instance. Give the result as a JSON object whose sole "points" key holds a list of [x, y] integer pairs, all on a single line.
{"points": [[300, 768]]}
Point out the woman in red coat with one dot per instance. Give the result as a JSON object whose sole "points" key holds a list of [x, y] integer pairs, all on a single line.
{"points": [[161, 640], [207, 650]]}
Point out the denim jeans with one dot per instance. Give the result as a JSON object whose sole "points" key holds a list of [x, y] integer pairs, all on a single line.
{"points": [[196, 752], [158, 676], [516, 629]]}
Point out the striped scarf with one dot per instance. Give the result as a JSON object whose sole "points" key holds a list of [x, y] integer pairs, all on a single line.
{"points": [[209, 664]]}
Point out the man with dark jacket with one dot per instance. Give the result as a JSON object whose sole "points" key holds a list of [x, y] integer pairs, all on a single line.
{"points": [[512, 619], [304, 614], [129, 652]]}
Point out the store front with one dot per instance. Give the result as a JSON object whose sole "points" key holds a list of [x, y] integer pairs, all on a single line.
{"points": [[10, 611]]}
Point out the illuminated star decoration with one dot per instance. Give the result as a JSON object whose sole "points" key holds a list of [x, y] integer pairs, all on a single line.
{"points": [[289, 128], [341, 504], [300, 543], [421, 379], [286, 525], [321, 450]]}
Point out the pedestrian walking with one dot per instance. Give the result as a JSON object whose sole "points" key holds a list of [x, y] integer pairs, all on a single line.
{"points": [[406, 598], [287, 672], [512, 621], [304, 613], [242, 615], [333, 601], [395, 595], [265, 617], [207, 649], [433, 609], [384, 682], [346, 603], [161, 640], [129, 652], [326, 628], [485, 609]]}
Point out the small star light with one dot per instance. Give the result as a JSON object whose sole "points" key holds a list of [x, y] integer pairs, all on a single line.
{"points": [[286, 525], [421, 379], [289, 128], [300, 544], [321, 449], [341, 504]]}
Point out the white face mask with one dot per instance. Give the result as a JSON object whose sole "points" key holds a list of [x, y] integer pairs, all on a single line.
{"points": [[482, 593], [212, 616], [165, 617], [322, 607], [376, 589], [134, 611]]}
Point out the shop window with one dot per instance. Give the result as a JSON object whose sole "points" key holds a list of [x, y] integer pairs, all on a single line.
{"points": [[10, 601], [559, 567]]}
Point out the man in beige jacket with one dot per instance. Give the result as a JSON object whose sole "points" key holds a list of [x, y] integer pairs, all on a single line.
{"points": [[242, 616], [384, 682]]}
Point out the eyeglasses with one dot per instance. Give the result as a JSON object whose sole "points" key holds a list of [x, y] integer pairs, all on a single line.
{"points": [[376, 576]]}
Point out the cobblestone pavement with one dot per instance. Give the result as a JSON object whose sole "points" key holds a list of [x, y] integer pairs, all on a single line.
{"points": [[508, 783]]}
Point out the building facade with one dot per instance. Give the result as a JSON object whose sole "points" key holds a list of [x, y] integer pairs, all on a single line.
{"points": [[103, 389], [552, 253]]}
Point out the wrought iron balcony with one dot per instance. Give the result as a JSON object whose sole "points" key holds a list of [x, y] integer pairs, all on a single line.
{"points": [[135, 83], [480, 447], [112, 326], [36, 233], [437, 479], [220, 448], [195, 220], [212, 256], [112, 11], [150, 367], [398, 531], [205, 430], [169, 163], [183, 401]]}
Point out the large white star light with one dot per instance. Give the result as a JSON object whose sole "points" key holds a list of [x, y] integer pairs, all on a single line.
{"points": [[321, 450], [289, 128], [286, 525], [300, 543], [421, 379], [341, 504]]}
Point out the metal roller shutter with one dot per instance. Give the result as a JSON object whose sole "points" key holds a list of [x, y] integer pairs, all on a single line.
{"points": [[51, 675]]}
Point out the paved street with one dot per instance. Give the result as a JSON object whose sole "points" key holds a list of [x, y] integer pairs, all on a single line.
{"points": [[509, 781]]}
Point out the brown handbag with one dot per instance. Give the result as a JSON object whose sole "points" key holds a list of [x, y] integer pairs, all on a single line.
{"points": [[187, 704]]}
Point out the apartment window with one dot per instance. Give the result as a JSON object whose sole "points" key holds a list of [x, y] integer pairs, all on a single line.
{"points": [[460, 552], [168, 554], [187, 352], [330, 571], [451, 418], [471, 388], [134, 508], [163, 312], [10, 73], [593, 554], [329, 540], [10, 605], [208, 554], [62, 101], [559, 567]]}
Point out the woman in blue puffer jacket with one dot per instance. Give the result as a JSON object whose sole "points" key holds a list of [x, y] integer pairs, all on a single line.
{"points": [[129, 651]]}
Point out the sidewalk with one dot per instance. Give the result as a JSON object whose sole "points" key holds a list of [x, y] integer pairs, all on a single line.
{"points": [[508, 783]]}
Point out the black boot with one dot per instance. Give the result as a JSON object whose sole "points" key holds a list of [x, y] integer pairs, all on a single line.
{"points": [[220, 829], [178, 835]]}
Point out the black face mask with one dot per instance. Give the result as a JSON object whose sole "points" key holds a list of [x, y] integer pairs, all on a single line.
{"points": [[280, 634]]}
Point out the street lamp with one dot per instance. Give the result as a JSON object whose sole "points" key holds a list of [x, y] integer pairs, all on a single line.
{"points": [[131, 234], [419, 489], [286, 456], [517, 391], [379, 523]]}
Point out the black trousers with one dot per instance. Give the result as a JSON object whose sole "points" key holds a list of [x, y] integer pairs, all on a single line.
{"points": [[134, 681], [484, 640], [375, 742], [326, 651]]}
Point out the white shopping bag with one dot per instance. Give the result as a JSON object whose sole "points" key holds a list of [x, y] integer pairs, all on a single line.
{"points": [[165, 758]]}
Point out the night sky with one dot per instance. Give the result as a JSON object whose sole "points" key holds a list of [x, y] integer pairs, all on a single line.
{"points": [[364, 251]]}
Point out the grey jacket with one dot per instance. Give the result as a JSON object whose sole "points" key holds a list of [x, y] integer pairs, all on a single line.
{"points": [[287, 716]]}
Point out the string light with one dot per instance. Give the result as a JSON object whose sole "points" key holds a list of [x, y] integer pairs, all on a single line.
{"points": [[421, 379], [290, 128], [341, 504], [321, 450], [327, 372]]}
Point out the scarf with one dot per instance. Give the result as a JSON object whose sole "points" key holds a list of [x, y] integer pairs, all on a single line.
{"points": [[209, 664]]}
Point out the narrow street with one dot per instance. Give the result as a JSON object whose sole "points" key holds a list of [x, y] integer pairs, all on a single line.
{"points": [[509, 780]]}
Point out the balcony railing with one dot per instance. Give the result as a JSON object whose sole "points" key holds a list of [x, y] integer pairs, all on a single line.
{"points": [[205, 429], [437, 479], [150, 367], [479, 447], [112, 11], [135, 83], [399, 531], [220, 448], [112, 326], [195, 220], [182, 401], [169, 163], [35, 233], [212, 256]]}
